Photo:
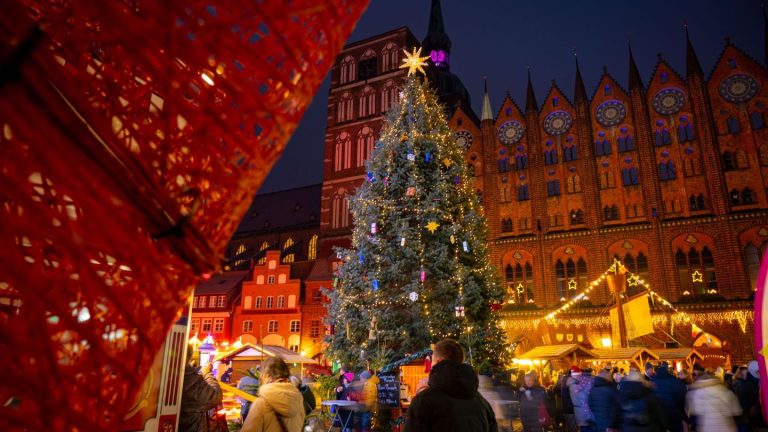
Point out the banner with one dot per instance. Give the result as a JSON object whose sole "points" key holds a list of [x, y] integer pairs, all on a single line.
{"points": [[615, 328], [637, 317], [761, 331]]}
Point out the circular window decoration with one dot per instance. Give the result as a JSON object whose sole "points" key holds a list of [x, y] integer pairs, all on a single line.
{"points": [[668, 101], [510, 132], [610, 113], [557, 123], [738, 88], [464, 139]]}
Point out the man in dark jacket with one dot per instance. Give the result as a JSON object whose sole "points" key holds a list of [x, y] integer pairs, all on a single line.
{"points": [[670, 391], [640, 410], [603, 401], [451, 401], [746, 385]]}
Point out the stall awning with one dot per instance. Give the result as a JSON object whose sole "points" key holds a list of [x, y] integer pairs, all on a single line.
{"points": [[637, 355], [688, 355], [259, 352], [551, 352]]}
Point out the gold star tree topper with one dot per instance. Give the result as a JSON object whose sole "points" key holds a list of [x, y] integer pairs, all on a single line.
{"points": [[414, 62]]}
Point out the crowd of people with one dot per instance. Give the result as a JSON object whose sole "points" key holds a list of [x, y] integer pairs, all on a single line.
{"points": [[454, 398]]}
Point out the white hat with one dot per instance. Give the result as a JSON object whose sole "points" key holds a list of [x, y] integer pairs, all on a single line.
{"points": [[754, 369]]}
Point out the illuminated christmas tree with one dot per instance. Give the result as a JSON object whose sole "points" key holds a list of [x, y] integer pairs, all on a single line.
{"points": [[418, 269]]}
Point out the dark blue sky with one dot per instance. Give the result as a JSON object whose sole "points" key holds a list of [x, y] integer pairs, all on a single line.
{"points": [[501, 38]]}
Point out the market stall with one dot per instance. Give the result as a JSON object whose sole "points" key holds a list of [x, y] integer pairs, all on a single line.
{"points": [[250, 355], [626, 357], [556, 356], [680, 357]]}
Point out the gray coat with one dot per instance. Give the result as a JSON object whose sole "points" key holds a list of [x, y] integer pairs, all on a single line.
{"points": [[579, 387]]}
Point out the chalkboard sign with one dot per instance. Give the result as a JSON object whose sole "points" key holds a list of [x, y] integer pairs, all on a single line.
{"points": [[389, 391]]}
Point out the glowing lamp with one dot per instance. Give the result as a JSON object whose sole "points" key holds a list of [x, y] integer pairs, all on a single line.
{"points": [[606, 342]]}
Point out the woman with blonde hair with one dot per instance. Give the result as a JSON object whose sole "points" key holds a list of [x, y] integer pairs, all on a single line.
{"points": [[280, 405]]}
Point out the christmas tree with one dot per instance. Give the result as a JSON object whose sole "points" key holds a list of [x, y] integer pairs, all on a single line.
{"points": [[418, 269]]}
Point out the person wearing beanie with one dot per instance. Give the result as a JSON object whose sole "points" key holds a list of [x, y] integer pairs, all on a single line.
{"points": [[579, 390], [670, 392], [649, 372]]}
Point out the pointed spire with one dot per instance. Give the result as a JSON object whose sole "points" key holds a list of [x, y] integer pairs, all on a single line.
{"points": [[692, 65], [634, 75], [580, 93], [487, 114], [437, 39], [530, 97]]}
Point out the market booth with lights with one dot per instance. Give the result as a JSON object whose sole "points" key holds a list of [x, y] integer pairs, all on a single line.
{"points": [[249, 355]]}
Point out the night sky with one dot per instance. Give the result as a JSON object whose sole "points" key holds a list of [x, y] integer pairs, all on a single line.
{"points": [[501, 38]]}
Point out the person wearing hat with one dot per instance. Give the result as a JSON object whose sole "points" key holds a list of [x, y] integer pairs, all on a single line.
{"points": [[280, 405], [671, 394], [579, 389], [712, 405], [649, 372], [639, 408]]}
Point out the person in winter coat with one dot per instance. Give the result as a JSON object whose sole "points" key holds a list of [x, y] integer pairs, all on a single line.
{"points": [[580, 388], [565, 394], [280, 405], [670, 392], [249, 384], [713, 405], [451, 402], [639, 408], [200, 393], [603, 402], [310, 402], [746, 386], [532, 397]]}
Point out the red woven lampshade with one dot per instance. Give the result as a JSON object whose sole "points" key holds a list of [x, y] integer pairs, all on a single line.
{"points": [[133, 135]]}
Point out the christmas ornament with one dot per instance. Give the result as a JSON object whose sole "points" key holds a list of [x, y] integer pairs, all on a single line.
{"points": [[411, 157], [460, 312], [465, 245], [414, 62], [427, 364], [402, 241], [411, 191], [447, 162], [362, 257], [453, 239], [346, 327], [413, 296], [432, 226], [373, 228], [375, 284], [335, 282], [370, 177], [423, 276], [457, 180], [403, 138], [428, 156]]}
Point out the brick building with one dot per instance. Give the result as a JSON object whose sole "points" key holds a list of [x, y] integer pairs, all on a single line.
{"points": [[666, 172], [213, 304]]}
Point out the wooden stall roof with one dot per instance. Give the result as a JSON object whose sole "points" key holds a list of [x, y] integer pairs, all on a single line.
{"points": [[624, 353], [250, 350], [678, 353], [548, 352]]}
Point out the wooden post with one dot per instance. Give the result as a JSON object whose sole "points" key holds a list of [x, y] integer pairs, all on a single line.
{"points": [[617, 285]]}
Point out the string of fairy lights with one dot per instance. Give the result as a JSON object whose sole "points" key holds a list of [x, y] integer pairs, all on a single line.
{"points": [[633, 279]]}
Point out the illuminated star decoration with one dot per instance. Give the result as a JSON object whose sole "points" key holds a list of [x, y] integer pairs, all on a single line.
{"points": [[432, 226], [447, 162], [572, 284], [697, 276], [633, 280], [414, 62], [520, 287]]}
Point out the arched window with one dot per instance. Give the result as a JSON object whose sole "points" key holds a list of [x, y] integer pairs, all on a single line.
{"points": [[732, 124], [344, 108], [240, 255], [247, 302], [570, 277], [637, 264], [763, 154], [603, 147], [625, 143], [685, 132], [570, 153], [264, 246], [629, 176], [550, 157], [312, 251], [348, 70], [364, 145], [367, 102], [756, 120], [662, 137], [729, 161], [607, 180], [611, 213], [506, 225], [519, 280], [555, 220], [573, 184], [753, 256], [388, 96], [696, 271], [735, 197], [288, 258], [667, 170], [389, 57], [697, 202]]}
